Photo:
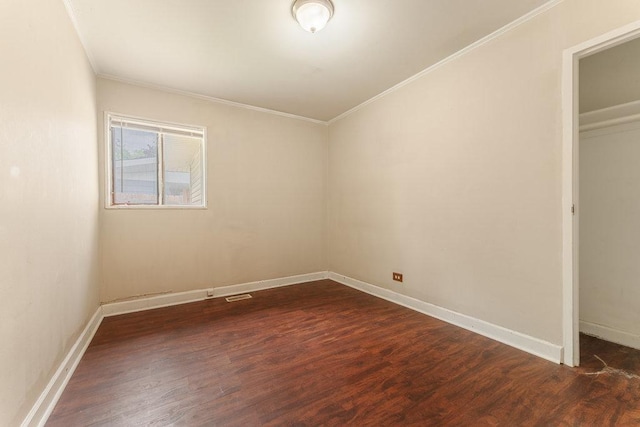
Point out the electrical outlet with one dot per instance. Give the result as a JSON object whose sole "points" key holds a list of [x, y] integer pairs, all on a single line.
{"points": [[397, 277], [210, 293]]}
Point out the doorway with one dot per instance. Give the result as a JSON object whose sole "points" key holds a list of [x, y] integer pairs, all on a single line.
{"points": [[570, 191]]}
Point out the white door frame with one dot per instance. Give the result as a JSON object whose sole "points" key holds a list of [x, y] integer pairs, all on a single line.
{"points": [[570, 147]]}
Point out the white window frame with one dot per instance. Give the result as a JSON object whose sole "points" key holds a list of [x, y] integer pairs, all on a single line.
{"points": [[108, 117]]}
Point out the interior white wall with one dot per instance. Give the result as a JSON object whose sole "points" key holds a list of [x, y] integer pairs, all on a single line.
{"points": [[48, 198], [455, 178], [266, 201], [610, 232]]}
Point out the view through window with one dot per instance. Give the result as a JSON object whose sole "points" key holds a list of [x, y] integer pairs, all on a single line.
{"points": [[155, 164]]}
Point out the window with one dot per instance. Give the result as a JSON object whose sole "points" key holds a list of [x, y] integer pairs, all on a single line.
{"points": [[155, 164]]}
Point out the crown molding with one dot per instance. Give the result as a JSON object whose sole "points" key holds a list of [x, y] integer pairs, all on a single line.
{"points": [[510, 26], [210, 98], [74, 21]]}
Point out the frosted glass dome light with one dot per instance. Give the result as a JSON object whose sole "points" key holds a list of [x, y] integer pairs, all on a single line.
{"points": [[313, 15]]}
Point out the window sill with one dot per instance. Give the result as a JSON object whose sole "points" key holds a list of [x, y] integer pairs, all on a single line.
{"points": [[153, 207]]}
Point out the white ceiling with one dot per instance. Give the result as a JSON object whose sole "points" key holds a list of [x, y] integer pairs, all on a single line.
{"points": [[253, 51]]}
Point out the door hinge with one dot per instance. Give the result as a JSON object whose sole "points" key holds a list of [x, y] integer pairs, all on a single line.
{"points": [[573, 209]]}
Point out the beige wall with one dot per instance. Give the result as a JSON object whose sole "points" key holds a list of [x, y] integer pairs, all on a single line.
{"points": [[610, 229], [611, 77], [266, 199], [455, 179], [48, 198]]}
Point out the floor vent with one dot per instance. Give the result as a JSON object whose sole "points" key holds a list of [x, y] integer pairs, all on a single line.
{"points": [[238, 297]]}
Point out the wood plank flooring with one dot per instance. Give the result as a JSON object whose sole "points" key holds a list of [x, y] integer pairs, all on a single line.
{"points": [[325, 354]]}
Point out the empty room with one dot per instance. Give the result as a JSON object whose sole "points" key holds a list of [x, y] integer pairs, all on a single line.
{"points": [[319, 212]]}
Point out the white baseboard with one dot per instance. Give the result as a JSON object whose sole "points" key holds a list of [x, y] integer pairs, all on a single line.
{"points": [[609, 334], [49, 397], [268, 284], [535, 346], [156, 301], [166, 300]]}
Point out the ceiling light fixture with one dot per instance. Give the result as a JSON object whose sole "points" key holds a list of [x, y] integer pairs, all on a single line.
{"points": [[312, 15]]}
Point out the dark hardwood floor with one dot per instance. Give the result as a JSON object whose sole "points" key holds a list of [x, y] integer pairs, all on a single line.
{"points": [[325, 354]]}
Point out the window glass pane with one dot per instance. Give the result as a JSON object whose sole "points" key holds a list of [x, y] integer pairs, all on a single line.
{"points": [[155, 164], [135, 166], [182, 159]]}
